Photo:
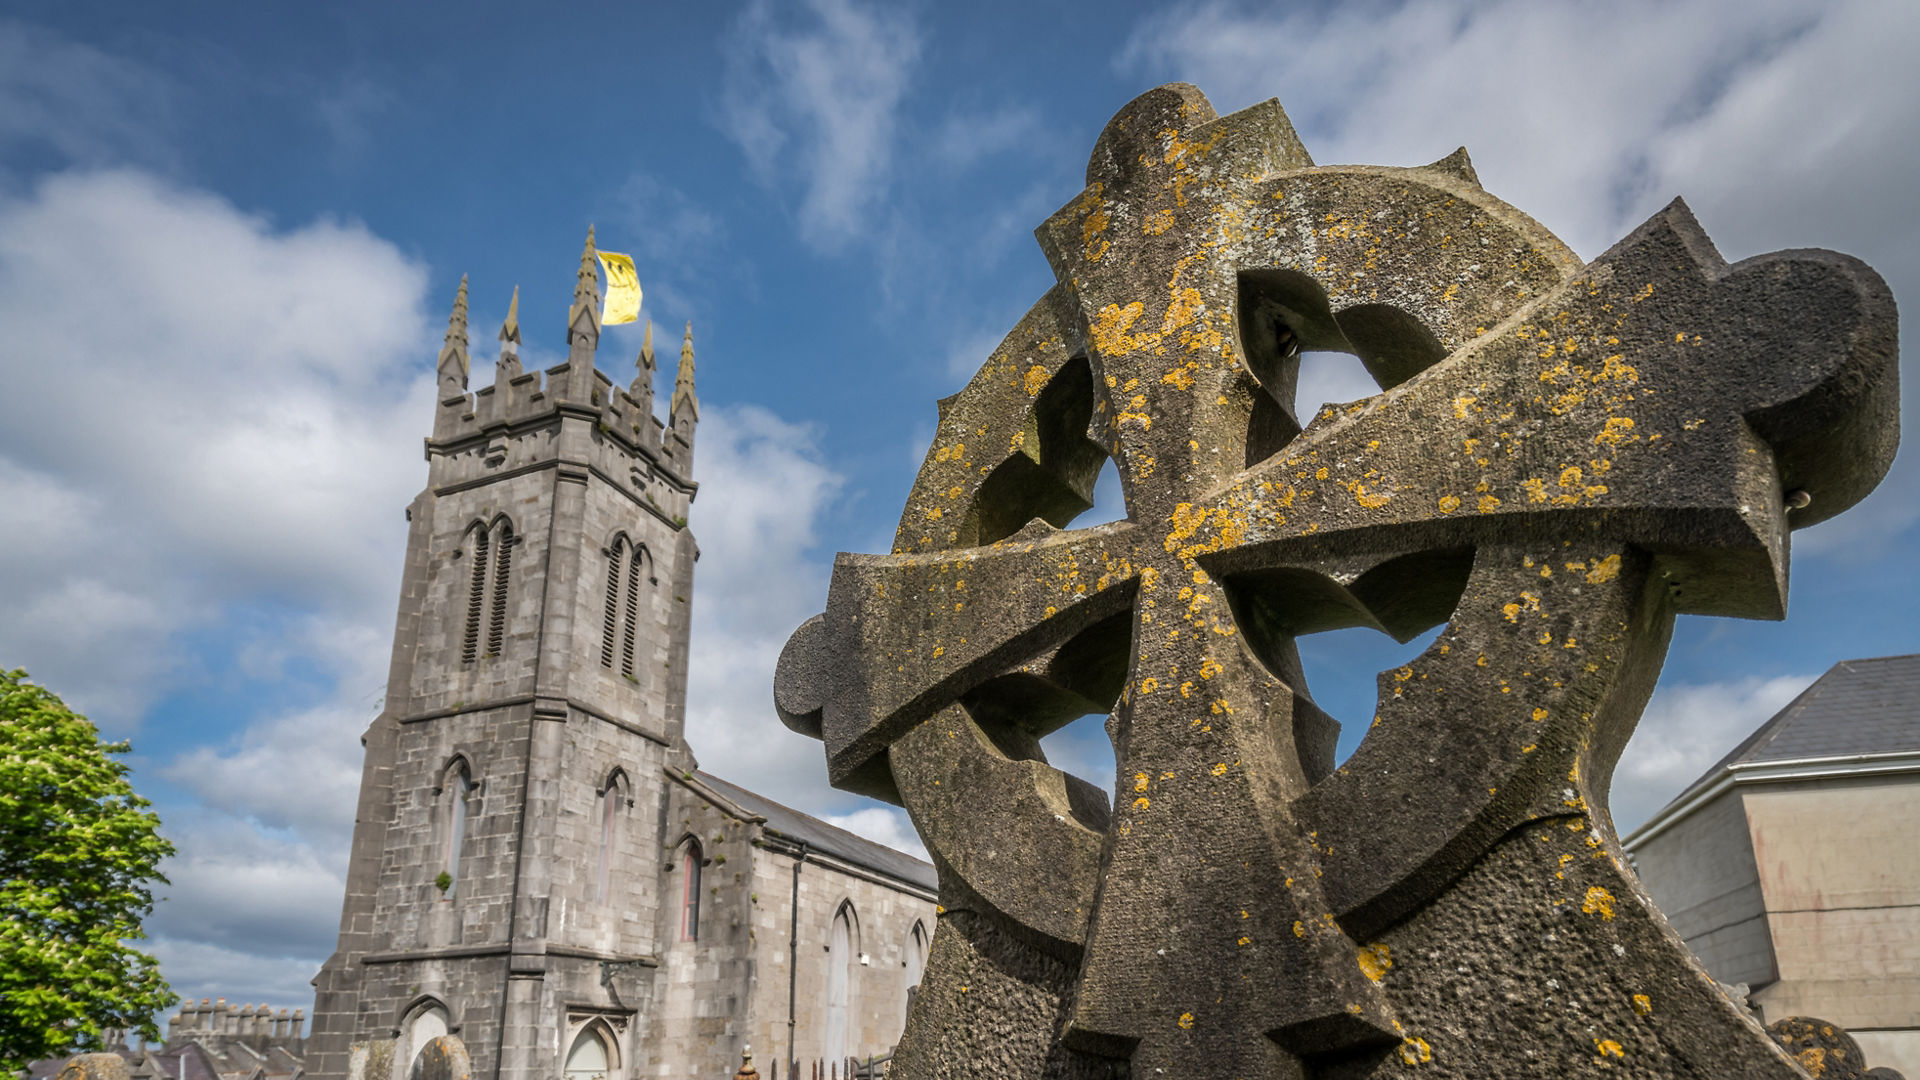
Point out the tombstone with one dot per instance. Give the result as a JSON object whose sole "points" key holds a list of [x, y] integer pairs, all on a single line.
{"points": [[1562, 458], [95, 1067], [372, 1060], [443, 1058], [1823, 1049]]}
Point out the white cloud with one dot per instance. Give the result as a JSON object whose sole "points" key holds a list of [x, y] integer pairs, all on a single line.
{"points": [[197, 969], [1684, 731], [207, 413], [882, 825], [202, 410], [249, 890], [1784, 123], [253, 775], [764, 489], [819, 95]]}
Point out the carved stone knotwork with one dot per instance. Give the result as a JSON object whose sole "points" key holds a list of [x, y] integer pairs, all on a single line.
{"points": [[1561, 458]]}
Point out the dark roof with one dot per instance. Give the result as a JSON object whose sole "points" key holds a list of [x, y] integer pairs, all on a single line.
{"points": [[1858, 707], [820, 836]]}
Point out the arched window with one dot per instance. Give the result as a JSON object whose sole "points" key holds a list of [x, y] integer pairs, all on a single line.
{"points": [[690, 893], [590, 1057], [620, 629], [611, 798], [915, 961], [427, 1024], [456, 788], [843, 945], [489, 576]]}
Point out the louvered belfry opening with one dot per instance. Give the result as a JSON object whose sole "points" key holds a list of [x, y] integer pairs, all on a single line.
{"points": [[632, 621], [620, 627], [476, 594], [487, 585], [610, 627], [502, 572]]}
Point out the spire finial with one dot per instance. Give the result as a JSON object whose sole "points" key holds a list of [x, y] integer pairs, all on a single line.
{"points": [[585, 316], [683, 383], [510, 330], [453, 350]]}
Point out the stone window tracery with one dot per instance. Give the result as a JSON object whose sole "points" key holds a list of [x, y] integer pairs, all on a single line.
{"points": [[592, 1055], [456, 787], [612, 796], [428, 1022]]}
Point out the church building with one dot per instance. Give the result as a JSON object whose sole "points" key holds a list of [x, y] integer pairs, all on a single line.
{"points": [[539, 866]]}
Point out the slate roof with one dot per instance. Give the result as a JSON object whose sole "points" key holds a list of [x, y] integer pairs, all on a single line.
{"points": [[820, 836], [1858, 707]]}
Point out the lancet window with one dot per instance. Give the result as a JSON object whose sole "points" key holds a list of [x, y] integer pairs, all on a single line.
{"points": [[627, 563], [489, 575]]}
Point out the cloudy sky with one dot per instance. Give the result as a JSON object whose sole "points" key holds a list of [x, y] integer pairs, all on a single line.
{"points": [[229, 235]]}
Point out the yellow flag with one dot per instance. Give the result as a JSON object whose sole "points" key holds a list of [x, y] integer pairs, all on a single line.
{"points": [[623, 289]]}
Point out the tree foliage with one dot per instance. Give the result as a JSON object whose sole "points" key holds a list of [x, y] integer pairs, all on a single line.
{"points": [[78, 851]]}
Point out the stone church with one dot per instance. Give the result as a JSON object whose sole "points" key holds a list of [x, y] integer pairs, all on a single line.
{"points": [[539, 866]]}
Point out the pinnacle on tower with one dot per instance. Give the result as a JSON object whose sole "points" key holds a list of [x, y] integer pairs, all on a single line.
{"points": [[509, 364], [683, 384], [453, 352], [644, 367], [510, 330], [584, 318]]}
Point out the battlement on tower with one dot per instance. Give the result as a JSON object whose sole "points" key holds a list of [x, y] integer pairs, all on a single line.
{"points": [[518, 420]]}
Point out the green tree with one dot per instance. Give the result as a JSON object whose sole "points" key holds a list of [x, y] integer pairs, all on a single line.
{"points": [[78, 850]]}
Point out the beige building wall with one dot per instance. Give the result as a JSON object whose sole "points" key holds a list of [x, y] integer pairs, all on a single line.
{"points": [[1807, 890], [1839, 861]]}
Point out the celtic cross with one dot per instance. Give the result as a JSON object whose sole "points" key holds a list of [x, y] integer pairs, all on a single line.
{"points": [[1561, 458]]}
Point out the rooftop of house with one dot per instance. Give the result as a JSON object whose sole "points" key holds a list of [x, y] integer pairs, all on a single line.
{"points": [[822, 837], [1859, 711]]}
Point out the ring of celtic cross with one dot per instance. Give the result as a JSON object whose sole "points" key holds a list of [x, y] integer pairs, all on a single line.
{"points": [[1561, 457]]}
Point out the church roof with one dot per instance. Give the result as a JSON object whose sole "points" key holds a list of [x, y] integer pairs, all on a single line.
{"points": [[828, 839], [1859, 709]]}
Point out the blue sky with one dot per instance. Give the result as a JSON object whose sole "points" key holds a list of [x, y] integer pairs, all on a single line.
{"points": [[229, 236]]}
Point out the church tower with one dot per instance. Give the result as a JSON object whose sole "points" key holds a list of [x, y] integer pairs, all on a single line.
{"points": [[503, 883]]}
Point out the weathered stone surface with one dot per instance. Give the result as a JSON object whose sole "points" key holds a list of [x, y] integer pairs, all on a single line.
{"points": [[443, 1058], [95, 1067], [1822, 1048], [1561, 459]]}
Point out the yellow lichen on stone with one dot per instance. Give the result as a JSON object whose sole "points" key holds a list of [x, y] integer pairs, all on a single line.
{"points": [[1036, 380], [1604, 571], [1618, 429], [1599, 902], [1643, 1005], [1375, 959], [1608, 1048], [1415, 1051], [1186, 1021]]}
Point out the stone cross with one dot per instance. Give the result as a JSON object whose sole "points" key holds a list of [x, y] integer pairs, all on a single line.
{"points": [[1560, 459]]}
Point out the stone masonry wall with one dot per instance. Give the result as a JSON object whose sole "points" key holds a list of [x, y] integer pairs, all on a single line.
{"points": [[698, 1018], [884, 918]]}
